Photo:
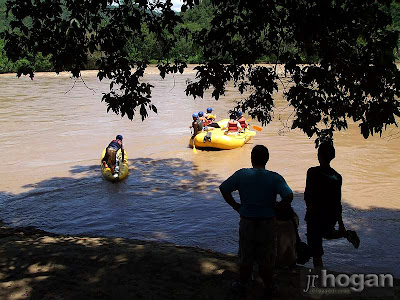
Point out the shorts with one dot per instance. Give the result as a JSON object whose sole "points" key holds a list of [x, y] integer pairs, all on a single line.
{"points": [[110, 157], [316, 231], [257, 241]]}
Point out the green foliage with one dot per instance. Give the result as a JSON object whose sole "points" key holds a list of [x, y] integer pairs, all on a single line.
{"points": [[339, 54], [395, 13], [2, 14], [38, 63], [5, 65], [42, 63]]}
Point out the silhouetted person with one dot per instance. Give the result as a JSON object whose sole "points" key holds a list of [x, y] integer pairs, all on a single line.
{"points": [[323, 195], [258, 189]]}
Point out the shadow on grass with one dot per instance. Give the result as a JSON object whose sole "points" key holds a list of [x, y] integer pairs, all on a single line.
{"points": [[37, 265]]}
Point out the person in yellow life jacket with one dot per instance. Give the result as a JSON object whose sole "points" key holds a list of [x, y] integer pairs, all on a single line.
{"points": [[110, 159], [211, 118], [197, 125], [242, 120], [233, 125]]}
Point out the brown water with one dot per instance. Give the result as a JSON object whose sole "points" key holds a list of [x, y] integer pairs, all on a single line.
{"points": [[52, 136]]}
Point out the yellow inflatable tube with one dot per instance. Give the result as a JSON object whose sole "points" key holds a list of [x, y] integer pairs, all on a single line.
{"points": [[123, 167]]}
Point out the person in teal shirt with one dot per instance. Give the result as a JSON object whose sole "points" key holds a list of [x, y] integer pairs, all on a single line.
{"points": [[258, 189]]}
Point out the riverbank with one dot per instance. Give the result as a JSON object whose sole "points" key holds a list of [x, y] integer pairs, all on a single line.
{"points": [[35, 264]]}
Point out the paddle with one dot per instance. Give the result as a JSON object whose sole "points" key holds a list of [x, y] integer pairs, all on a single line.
{"points": [[194, 147], [251, 133], [255, 127]]}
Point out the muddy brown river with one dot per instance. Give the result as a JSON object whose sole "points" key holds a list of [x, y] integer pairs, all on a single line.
{"points": [[53, 130]]}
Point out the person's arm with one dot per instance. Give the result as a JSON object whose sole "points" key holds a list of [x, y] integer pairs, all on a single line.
{"points": [[308, 194], [287, 200], [230, 200], [285, 192], [122, 150], [227, 187], [195, 129]]}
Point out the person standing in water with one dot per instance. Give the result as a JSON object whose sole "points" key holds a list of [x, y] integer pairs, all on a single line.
{"points": [[324, 209]]}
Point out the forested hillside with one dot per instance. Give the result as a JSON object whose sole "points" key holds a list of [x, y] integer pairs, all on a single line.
{"points": [[150, 48]]}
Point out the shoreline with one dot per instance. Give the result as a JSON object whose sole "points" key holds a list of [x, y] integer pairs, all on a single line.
{"points": [[151, 69], [35, 264]]}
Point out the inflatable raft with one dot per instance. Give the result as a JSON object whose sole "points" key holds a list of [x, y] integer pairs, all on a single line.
{"points": [[123, 167], [216, 138]]}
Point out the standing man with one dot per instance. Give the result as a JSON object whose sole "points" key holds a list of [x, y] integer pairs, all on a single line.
{"points": [[258, 188], [323, 195]]}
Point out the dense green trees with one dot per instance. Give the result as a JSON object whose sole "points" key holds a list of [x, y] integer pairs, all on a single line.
{"points": [[145, 47], [339, 54]]}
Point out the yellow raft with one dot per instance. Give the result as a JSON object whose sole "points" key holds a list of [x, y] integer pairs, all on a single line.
{"points": [[123, 167], [216, 138]]}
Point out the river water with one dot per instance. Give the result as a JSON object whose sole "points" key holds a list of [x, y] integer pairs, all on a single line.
{"points": [[54, 128]]}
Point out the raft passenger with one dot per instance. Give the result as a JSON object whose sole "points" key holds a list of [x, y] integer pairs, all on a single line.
{"points": [[203, 119], [110, 159], [242, 120], [233, 125], [197, 125], [211, 118]]}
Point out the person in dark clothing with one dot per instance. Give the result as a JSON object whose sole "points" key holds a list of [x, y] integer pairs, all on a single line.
{"points": [[323, 201], [110, 158]]}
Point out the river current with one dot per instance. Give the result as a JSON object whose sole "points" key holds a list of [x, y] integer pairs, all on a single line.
{"points": [[54, 128]]}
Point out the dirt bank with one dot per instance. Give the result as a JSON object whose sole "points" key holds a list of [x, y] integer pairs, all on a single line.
{"points": [[39, 265]]}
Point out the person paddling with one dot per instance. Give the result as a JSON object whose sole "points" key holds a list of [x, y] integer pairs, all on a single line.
{"points": [[197, 125], [210, 117], [202, 119], [241, 119], [110, 159], [233, 125]]}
